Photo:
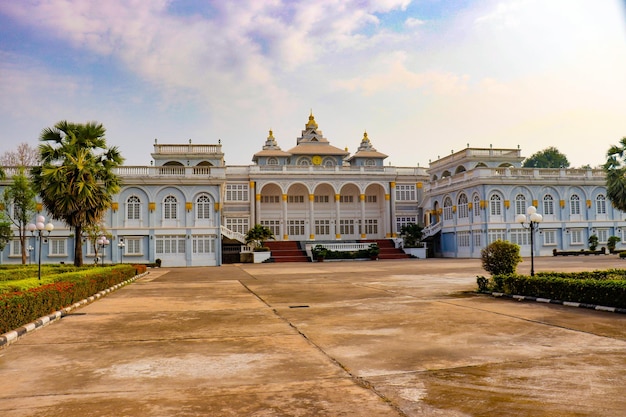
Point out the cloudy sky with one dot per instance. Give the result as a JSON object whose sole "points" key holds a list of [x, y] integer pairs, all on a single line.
{"points": [[422, 77]]}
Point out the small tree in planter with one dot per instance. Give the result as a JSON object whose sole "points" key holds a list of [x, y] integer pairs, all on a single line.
{"points": [[412, 235], [257, 235], [612, 242], [319, 252], [373, 251], [593, 242]]}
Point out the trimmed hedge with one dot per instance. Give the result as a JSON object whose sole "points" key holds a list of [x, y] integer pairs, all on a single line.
{"points": [[17, 272], [21, 307], [606, 288]]}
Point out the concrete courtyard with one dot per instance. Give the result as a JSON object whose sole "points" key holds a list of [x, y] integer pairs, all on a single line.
{"points": [[371, 338]]}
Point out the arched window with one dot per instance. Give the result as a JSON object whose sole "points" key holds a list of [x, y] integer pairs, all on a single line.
{"points": [[370, 163], [133, 208], [548, 205], [447, 208], [170, 208], [304, 162], [203, 207], [520, 204], [600, 204], [476, 204], [272, 161], [495, 205], [574, 204], [462, 206], [329, 163]]}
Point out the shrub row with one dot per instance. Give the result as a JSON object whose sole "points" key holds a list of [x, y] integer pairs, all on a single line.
{"points": [[21, 307], [17, 272], [609, 290]]}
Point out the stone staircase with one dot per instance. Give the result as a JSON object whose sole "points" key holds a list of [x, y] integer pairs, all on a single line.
{"points": [[286, 251], [388, 249]]}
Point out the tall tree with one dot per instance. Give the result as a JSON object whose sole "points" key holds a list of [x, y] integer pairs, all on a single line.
{"points": [[548, 158], [76, 179], [615, 169], [19, 205], [24, 156]]}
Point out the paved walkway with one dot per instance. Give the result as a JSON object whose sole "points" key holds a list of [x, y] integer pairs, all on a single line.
{"points": [[386, 338]]}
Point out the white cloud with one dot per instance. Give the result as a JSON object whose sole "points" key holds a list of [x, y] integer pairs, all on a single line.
{"points": [[412, 22], [513, 72]]}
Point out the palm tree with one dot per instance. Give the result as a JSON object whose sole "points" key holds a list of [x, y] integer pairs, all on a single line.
{"points": [[615, 170], [76, 181], [258, 234]]}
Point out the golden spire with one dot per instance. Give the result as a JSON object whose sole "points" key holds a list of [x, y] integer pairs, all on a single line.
{"points": [[312, 123]]}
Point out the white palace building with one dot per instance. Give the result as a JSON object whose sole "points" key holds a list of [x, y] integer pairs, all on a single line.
{"points": [[189, 209]]}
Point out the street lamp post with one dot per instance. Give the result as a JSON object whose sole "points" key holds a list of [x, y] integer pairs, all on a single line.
{"points": [[103, 242], [121, 245], [37, 229], [532, 224]]}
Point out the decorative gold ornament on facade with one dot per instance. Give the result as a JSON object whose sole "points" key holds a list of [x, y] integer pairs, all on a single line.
{"points": [[188, 205], [151, 206], [115, 206]]}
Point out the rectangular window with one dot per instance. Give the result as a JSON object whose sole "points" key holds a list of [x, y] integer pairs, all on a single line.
{"points": [[170, 244], [495, 207], [132, 246], [463, 239], [603, 235], [270, 199], [405, 192], [237, 192], [548, 206], [203, 243], [549, 237], [57, 247], [295, 227], [600, 206], [463, 211], [346, 199], [295, 199], [322, 227], [404, 221], [520, 237], [16, 247], [477, 239], [370, 199], [346, 227], [237, 224], [273, 225], [371, 226], [576, 237], [321, 199], [496, 234]]}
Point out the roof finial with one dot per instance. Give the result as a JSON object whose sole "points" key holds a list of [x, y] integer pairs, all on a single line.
{"points": [[311, 123]]}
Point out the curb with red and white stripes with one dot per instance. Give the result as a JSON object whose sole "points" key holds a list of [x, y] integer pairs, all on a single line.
{"points": [[559, 302]]}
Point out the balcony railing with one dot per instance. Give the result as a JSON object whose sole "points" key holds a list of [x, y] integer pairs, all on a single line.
{"points": [[187, 149], [171, 171]]}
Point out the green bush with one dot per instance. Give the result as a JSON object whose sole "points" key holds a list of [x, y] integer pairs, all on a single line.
{"points": [[500, 257], [585, 289]]}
